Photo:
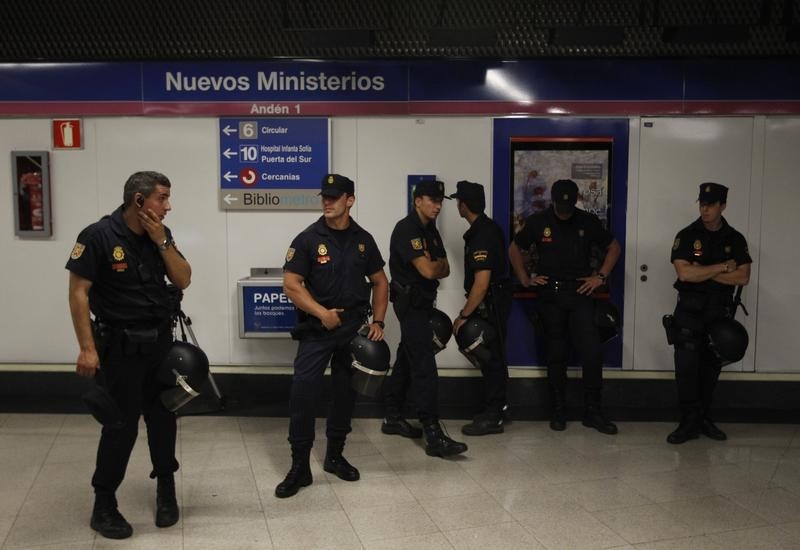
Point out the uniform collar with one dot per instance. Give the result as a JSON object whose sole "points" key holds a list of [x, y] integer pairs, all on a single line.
{"points": [[480, 220], [322, 228], [119, 226], [416, 219], [698, 223]]}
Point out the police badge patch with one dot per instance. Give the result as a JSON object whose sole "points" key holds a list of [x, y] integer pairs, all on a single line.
{"points": [[362, 247], [416, 244], [289, 254], [676, 244], [118, 253], [77, 250], [322, 250]]}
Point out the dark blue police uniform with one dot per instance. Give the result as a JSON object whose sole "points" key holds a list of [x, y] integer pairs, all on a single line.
{"points": [[564, 250], [697, 369], [485, 248], [133, 333], [412, 298], [335, 266]]}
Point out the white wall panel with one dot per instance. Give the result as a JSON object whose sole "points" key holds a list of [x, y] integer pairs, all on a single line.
{"points": [[778, 314]]}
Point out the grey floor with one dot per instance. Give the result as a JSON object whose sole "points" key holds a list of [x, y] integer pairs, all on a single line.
{"points": [[528, 488]]}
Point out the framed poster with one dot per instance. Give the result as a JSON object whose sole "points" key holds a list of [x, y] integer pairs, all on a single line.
{"points": [[31, 187], [538, 162]]}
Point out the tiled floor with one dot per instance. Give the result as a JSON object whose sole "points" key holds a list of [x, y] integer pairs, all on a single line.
{"points": [[528, 488]]}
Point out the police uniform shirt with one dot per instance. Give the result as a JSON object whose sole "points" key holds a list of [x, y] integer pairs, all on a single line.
{"points": [[696, 244], [335, 273], [563, 246], [126, 270], [411, 239], [484, 248]]}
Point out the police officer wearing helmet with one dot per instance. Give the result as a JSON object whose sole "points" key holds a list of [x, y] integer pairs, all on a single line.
{"points": [[417, 261], [118, 271], [488, 298], [563, 237], [332, 267], [711, 259]]}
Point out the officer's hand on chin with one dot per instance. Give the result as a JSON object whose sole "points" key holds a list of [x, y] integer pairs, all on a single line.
{"points": [[330, 319]]}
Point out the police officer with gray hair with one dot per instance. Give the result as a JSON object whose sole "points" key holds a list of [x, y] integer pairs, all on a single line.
{"points": [[118, 271], [486, 282], [710, 259]]}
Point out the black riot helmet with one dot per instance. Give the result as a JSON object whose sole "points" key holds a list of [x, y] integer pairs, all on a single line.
{"points": [[442, 329], [370, 362], [607, 319], [728, 339], [474, 338], [185, 369]]}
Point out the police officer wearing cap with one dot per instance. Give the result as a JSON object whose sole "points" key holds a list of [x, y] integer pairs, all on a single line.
{"points": [[417, 260], [710, 258], [331, 269], [563, 237], [486, 283], [117, 271]]}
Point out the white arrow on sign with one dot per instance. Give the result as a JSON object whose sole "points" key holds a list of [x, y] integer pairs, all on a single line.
{"points": [[228, 153], [228, 176], [228, 130], [229, 198]]}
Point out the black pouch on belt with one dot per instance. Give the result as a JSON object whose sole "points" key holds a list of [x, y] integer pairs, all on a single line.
{"points": [[139, 340]]}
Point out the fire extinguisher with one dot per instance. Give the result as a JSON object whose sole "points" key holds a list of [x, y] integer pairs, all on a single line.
{"points": [[31, 183]]}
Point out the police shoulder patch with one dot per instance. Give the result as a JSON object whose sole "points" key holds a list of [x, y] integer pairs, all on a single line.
{"points": [[77, 251], [289, 254], [416, 244], [480, 255], [676, 244]]}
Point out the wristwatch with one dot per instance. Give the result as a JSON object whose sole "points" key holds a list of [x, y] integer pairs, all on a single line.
{"points": [[601, 277], [165, 244], [380, 324]]}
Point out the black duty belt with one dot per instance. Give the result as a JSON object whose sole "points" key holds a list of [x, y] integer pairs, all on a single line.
{"points": [[563, 284]]}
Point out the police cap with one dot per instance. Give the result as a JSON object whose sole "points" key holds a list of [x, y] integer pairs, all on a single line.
{"points": [[712, 192], [432, 188], [334, 185], [472, 194], [564, 193]]}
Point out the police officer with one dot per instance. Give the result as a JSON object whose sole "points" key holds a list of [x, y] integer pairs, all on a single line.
{"points": [[330, 270], [417, 260], [488, 296], [710, 258], [563, 237], [118, 270]]}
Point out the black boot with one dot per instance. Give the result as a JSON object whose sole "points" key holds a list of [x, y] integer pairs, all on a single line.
{"points": [[335, 463], [487, 422], [558, 410], [107, 520], [709, 429], [439, 444], [299, 474], [166, 504], [594, 417], [397, 425], [689, 428]]}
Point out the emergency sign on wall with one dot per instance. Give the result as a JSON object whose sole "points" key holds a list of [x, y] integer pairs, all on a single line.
{"points": [[67, 134], [31, 193]]}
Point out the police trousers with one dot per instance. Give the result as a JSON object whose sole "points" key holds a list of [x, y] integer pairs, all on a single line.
{"points": [[414, 372], [568, 320], [496, 310], [697, 369], [130, 370], [315, 350]]}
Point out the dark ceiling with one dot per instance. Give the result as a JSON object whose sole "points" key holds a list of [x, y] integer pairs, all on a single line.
{"points": [[114, 30]]}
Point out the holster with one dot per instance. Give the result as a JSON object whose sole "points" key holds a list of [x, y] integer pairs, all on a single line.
{"points": [[307, 325], [404, 296], [102, 338], [669, 327]]}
